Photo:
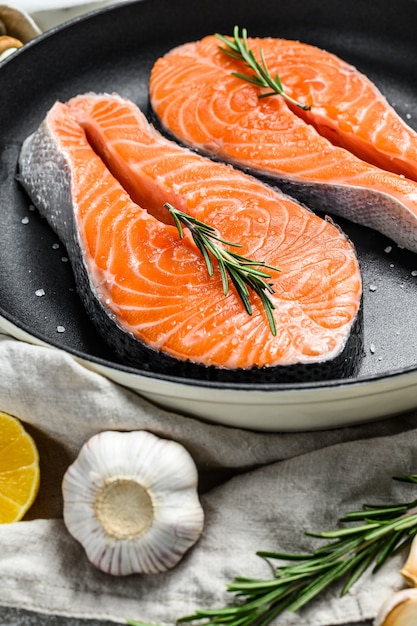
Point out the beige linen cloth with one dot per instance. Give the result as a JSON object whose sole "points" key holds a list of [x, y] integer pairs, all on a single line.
{"points": [[260, 491]]}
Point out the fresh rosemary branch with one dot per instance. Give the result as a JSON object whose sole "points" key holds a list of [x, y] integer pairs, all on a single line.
{"points": [[238, 49], [383, 531], [242, 271]]}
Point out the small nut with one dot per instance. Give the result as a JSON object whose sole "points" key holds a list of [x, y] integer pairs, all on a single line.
{"points": [[7, 42]]}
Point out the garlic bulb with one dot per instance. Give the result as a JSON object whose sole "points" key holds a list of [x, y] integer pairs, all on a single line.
{"points": [[409, 569], [130, 498], [399, 610]]}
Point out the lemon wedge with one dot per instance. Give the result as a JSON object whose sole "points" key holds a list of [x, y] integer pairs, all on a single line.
{"points": [[19, 469]]}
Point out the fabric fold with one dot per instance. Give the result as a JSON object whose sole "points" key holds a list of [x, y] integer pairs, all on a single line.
{"points": [[260, 491]]}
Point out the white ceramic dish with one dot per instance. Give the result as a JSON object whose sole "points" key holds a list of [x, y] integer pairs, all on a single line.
{"points": [[301, 408]]}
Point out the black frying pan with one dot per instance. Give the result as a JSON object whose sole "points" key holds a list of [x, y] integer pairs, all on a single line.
{"points": [[113, 49]]}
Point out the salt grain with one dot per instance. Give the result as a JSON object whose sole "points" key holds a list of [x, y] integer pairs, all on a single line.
{"points": [[40, 292], [388, 249], [64, 259], [372, 287], [55, 246], [25, 220], [372, 348], [414, 273], [60, 329]]}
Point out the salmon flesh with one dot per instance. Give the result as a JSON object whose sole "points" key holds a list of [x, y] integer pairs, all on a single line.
{"points": [[101, 175], [349, 155]]}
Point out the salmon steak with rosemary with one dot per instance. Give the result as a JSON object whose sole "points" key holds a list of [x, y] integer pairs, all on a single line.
{"points": [[189, 266], [332, 141]]}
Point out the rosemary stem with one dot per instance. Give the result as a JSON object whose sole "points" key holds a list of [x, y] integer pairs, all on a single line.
{"points": [[237, 48], [350, 552], [244, 273]]}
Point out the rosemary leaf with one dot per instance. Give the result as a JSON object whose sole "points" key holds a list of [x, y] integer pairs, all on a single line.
{"points": [[407, 479], [244, 273], [248, 587], [289, 556], [237, 48], [390, 548], [358, 567], [319, 584], [343, 532], [385, 528], [375, 512]]}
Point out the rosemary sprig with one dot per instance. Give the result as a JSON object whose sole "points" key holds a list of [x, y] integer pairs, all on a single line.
{"points": [[242, 271], [261, 77], [383, 531]]}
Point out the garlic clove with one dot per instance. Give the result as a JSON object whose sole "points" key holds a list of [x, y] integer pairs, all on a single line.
{"points": [[409, 569], [399, 610], [130, 498]]}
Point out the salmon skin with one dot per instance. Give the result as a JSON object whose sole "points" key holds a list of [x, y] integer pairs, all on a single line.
{"points": [[198, 101], [100, 174]]}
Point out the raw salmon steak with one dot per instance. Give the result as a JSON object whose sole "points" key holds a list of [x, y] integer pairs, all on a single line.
{"points": [[101, 174], [199, 102]]}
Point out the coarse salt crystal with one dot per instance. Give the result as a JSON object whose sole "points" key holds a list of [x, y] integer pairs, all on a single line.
{"points": [[388, 249], [40, 292], [25, 220], [372, 348], [60, 329], [55, 246], [414, 273], [64, 259], [372, 287]]}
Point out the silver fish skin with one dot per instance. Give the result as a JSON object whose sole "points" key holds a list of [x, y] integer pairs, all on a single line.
{"points": [[44, 172]]}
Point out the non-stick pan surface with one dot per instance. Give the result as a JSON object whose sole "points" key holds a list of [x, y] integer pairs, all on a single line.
{"points": [[113, 50]]}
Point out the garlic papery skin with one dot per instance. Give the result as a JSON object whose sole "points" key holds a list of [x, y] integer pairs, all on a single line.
{"points": [[409, 569], [399, 610], [130, 499]]}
